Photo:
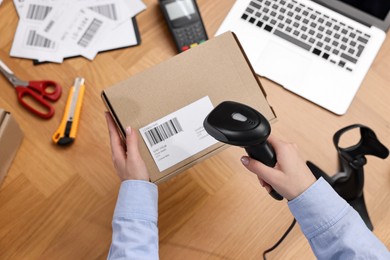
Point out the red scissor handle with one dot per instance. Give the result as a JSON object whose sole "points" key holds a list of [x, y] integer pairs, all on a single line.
{"points": [[39, 100], [47, 88]]}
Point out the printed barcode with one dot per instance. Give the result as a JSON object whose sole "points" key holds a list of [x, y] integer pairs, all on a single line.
{"points": [[163, 131], [90, 32], [38, 12], [36, 40], [49, 25], [108, 10]]}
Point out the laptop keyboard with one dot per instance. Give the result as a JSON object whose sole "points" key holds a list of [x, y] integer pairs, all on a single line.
{"points": [[323, 36]]}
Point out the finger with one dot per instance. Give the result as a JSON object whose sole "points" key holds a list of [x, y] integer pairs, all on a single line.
{"points": [[262, 183], [267, 174], [265, 185], [132, 144], [278, 144], [115, 139], [274, 141], [133, 154]]}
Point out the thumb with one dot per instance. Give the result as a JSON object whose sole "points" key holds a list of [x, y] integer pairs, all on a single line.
{"points": [[263, 172], [131, 142]]}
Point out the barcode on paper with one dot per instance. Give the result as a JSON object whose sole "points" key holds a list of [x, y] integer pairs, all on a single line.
{"points": [[49, 25], [163, 131], [38, 12], [108, 10], [90, 32], [36, 40]]}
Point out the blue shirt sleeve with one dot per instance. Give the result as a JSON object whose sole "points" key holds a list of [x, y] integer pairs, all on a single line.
{"points": [[333, 228], [134, 225]]}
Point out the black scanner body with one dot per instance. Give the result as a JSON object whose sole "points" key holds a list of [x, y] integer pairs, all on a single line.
{"points": [[240, 125]]}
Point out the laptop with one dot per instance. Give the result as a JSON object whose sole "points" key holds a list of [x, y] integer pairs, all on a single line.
{"points": [[320, 50]]}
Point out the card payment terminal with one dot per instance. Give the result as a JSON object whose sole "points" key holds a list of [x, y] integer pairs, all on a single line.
{"points": [[184, 22]]}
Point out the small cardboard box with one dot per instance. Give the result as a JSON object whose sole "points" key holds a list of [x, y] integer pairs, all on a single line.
{"points": [[11, 137], [217, 70]]}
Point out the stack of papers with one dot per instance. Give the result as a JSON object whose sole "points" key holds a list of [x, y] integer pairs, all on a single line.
{"points": [[51, 30]]}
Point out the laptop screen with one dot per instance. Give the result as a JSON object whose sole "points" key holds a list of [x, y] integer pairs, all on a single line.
{"points": [[377, 8], [369, 12]]}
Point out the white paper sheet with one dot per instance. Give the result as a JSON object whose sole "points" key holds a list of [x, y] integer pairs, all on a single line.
{"points": [[51, 30], [28, 43]]}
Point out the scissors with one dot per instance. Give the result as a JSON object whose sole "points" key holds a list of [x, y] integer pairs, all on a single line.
{"points": [[39, 91]]}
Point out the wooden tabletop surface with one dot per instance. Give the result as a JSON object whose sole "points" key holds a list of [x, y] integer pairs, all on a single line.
{"points": [[57, 203]]}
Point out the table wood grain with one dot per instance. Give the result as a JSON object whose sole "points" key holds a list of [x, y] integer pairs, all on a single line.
{"points": [[57, 203]]}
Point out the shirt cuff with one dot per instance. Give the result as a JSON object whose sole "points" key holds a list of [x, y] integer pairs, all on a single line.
{"points": [[318, 208], [137, 200]]}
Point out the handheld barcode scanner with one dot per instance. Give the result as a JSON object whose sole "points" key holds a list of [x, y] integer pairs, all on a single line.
{"points": [[237, 124]]}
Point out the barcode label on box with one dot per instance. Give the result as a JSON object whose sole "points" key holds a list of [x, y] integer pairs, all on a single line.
{"points": [[163, 131], [178, 135]]}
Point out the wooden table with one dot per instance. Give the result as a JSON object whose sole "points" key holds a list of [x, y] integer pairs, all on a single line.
{"points": [[58, 203]]}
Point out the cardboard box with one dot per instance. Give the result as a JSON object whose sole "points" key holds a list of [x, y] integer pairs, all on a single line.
{"points": [[218, 70], [11, 137]]}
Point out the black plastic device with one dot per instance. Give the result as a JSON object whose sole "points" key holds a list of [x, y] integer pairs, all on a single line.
{"points": [[349, 182], [184, 22], [240, 125]]}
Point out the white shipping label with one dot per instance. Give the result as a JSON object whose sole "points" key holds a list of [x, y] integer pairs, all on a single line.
{"points": [[80, 30], [35, 11], [179, 135], [18, 5], [28, 43]]}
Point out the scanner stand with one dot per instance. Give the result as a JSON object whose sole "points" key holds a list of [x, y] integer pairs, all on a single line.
{"points": [[349, 182]]}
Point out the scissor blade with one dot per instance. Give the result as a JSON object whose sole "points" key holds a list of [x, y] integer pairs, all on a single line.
{"points": [[6, 71], [5, 68]]}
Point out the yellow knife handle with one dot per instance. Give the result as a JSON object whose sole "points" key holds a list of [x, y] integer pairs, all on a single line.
{"points": [[66, 132]]}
